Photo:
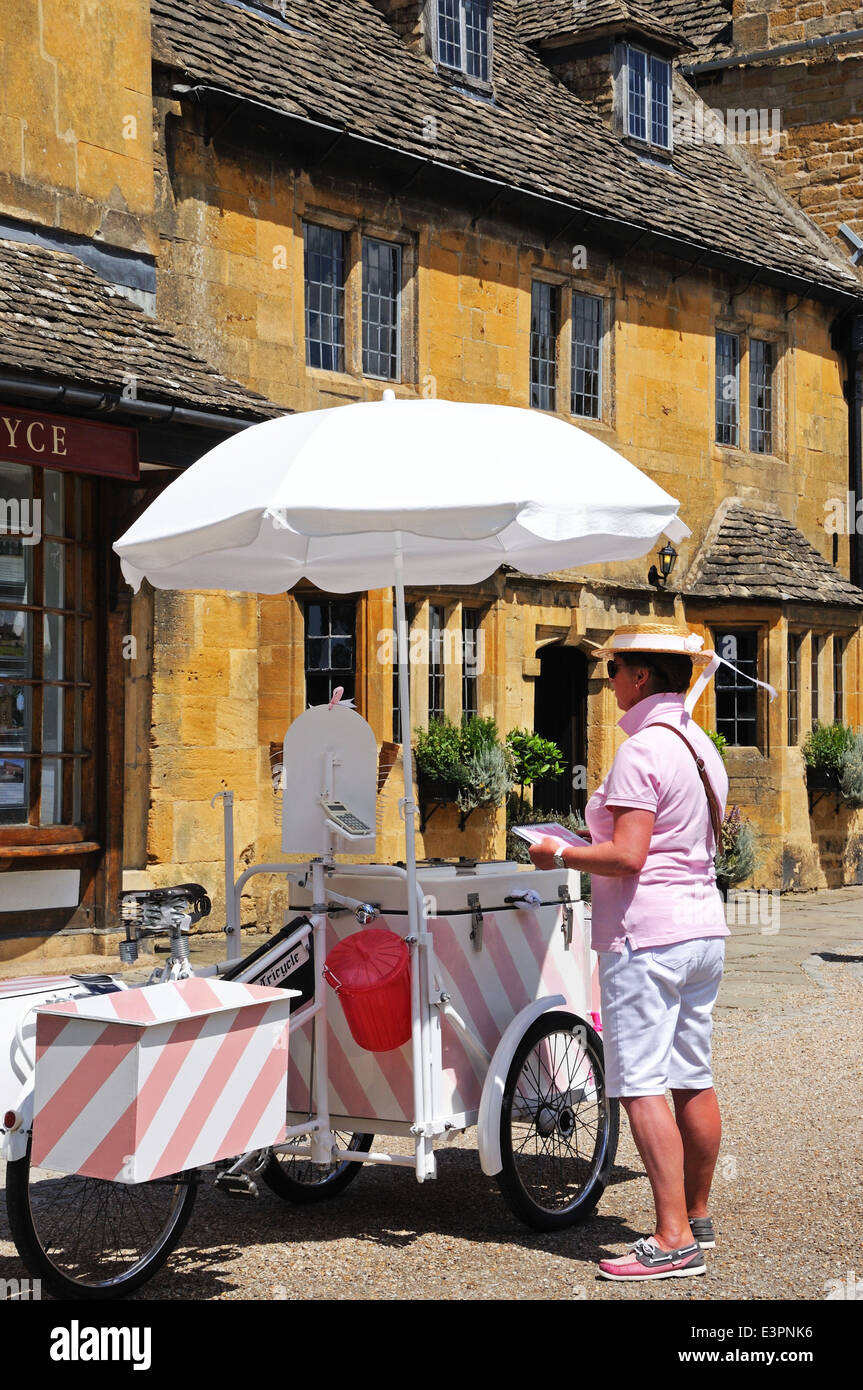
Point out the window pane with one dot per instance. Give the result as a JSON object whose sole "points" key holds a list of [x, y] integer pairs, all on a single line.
{"points": [[543, 345], [52, 792], [814, 675], [727, 388], [586, 356], [325, 297], [660, 102], [331, 657], [409, 617], [52, 506], [736, 702], [470, 638], [381, 309], [794, 640], [476, 38], [637, 87], [54, 585], [838, 680], [437, 622], [449, 33], [761, 397]]}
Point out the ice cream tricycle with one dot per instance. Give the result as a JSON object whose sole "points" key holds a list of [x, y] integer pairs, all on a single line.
{"points": [[481, 1018], [407, 1001]]}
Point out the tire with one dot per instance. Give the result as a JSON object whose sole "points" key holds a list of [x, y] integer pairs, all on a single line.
{"points": [[299, 1180], [558, 1129], [89, 1239]]}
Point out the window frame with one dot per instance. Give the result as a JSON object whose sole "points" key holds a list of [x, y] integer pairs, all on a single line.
{"points": [[568, 289], [369, 240], [460, 72], [598, 348], [470, 682], [78, 616], [746, 335], [792, 667], [552, 361], [651, 58], [327, 601], [840, 645], [355, 232], [341, 291], [742, 686]]}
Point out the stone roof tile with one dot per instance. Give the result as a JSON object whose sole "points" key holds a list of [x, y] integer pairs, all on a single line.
{"points": [[753, 551], [539, 19], [59, 319], [339, 61]]}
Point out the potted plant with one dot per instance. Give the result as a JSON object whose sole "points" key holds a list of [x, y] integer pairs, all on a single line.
{"points": [[824, 752], [437, 755], [463, 763], [851, 771]]}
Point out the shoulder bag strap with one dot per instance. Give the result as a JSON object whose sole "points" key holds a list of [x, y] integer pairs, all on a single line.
{"points": [[715, 813]]}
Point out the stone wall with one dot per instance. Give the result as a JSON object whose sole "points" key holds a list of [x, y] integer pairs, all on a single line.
{"points": [[811, 130], [76, 118]]}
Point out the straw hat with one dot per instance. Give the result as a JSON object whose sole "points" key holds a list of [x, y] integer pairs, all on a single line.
{"points": [[672, 638]]}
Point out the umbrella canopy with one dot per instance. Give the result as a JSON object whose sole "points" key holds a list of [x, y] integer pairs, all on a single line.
{"points": [[334, 495]]}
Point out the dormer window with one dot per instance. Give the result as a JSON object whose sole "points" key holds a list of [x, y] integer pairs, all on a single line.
{"points": [[648, 98], [463, 37]]}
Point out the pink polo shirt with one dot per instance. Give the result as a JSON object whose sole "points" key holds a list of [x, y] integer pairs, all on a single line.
{"points": [[674, 897]]}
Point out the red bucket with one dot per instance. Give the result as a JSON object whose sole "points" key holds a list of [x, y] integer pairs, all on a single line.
{"points": [[370, 972]]}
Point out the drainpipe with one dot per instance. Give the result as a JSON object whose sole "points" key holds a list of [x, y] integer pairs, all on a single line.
{"points": [[783, 50]]}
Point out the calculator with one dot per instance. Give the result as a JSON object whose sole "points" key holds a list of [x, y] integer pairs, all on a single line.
{"points": [[345, 821]]}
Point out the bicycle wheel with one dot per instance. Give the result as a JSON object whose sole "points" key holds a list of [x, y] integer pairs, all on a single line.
{"points": [[299, 1180], [558, 1129], [89, 1239]]}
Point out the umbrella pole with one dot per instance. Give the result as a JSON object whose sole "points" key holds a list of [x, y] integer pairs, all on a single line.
{"points": [[420, 1025]]}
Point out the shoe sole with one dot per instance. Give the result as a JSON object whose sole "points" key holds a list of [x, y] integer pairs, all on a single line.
{"points": [[660, 1274]]}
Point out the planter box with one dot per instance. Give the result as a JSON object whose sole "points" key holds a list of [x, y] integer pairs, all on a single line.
{"points": [[822, 779], [143, 1083], [435, 791]]}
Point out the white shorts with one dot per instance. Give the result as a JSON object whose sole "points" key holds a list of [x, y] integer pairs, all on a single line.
{"points": [[657, 1006]]}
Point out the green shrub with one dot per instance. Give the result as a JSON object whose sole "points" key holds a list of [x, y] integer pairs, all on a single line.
{"points": [[826, 745], [532, 758], [851, 772], [437, 752], [485, 779]]}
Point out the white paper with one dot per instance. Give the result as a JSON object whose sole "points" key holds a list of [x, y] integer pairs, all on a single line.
{"points": [[552, 831]]}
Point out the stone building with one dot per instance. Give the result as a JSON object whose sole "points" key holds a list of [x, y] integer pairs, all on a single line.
{"points": [[482, 202]]}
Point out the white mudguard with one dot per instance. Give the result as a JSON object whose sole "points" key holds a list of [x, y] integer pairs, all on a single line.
{"points": [[491, 1101]]}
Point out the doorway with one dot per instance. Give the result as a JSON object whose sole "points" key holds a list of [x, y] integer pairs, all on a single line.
{"points": [[560, 714]]}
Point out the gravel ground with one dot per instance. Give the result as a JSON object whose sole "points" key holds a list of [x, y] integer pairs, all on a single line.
{"points": [[786, 1200]]}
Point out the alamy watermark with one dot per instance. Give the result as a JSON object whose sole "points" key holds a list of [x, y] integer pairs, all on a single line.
{"points": [[735, 126], [21, 516], [449, 647], [843, 516]]}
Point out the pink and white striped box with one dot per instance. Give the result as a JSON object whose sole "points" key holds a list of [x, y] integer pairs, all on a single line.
{"points": [[142, 1083]]}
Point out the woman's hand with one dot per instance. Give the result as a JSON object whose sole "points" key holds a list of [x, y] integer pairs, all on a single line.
{"points": [[543, 852]]}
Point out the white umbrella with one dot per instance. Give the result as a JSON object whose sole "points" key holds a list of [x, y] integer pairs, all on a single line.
{"points": [[395, 492]]}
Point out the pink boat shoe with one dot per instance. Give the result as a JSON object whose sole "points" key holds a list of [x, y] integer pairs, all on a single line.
{"points": [[647, 1261]]}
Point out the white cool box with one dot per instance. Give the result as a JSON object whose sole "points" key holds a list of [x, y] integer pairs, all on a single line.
{"points": [[142, 1083]]}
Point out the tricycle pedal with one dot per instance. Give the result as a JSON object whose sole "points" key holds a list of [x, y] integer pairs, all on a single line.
{"points": [[236, 1185]]}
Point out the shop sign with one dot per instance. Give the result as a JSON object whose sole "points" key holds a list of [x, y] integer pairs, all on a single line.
{"points": [[61, 441]]}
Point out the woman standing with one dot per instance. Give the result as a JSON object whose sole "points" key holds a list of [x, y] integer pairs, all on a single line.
{"points": [[659, 928]]}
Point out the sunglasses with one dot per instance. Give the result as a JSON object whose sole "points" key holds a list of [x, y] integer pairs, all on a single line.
{"points": [[612, 667]]}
